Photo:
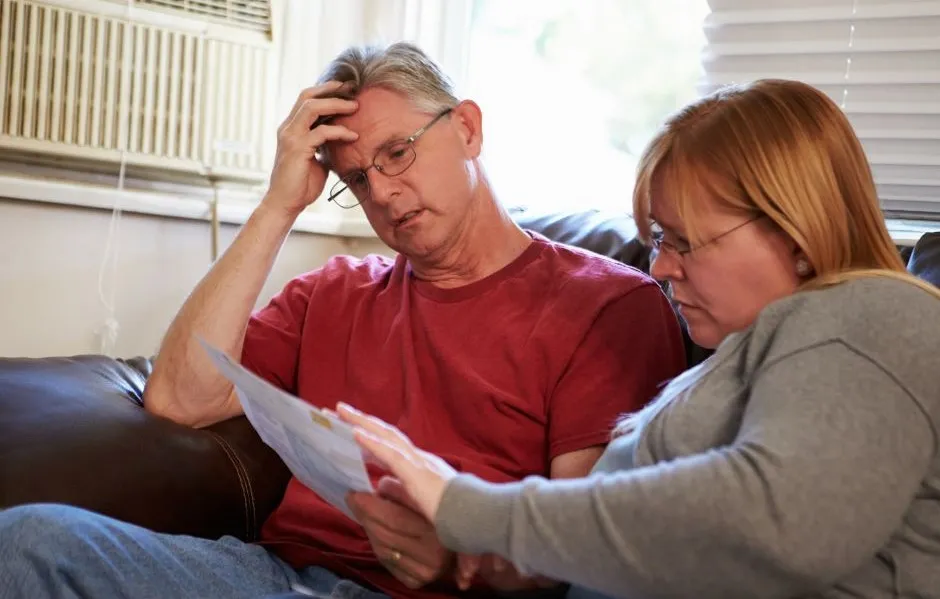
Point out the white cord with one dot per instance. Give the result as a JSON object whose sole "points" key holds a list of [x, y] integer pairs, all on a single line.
{"points": [[108, 333], [848, 58]]}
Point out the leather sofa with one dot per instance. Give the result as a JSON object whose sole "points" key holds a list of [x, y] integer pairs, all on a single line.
{"points": [[72, 429]]}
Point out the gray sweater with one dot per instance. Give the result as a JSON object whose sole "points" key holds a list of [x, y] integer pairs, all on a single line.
{"points": [[801, 462]]}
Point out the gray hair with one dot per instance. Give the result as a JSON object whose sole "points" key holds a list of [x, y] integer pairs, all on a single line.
{"points": [[401, 67]]}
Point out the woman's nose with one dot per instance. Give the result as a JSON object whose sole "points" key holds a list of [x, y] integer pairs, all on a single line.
{"points": [[665, 265]]}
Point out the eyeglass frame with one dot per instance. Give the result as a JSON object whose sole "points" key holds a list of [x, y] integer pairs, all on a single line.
{"points": [[659, 244], [410, 140]]}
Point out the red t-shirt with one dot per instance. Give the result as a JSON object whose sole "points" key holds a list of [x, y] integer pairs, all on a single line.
{"points": [[498, 377]]}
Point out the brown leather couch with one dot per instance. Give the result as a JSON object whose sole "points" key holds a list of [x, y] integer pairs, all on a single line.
{"points": [[72, 429]]}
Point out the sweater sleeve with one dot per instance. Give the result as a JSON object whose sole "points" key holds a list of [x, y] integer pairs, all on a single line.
{"points": [[830, 452]]}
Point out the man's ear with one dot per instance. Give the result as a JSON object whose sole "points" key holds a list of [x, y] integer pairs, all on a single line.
{"points": [[468, 119]]}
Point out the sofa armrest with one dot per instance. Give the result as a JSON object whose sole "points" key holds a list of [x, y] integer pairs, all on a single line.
{"points": [[72, 430]]}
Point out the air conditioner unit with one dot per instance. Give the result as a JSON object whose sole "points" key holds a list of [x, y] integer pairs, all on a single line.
{"points": [[178, 88]]}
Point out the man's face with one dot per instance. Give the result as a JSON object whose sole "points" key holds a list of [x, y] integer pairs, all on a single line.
{"points": [[419, 211]]}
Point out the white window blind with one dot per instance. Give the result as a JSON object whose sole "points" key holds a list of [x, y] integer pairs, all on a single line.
{"points": [[878, 59]]}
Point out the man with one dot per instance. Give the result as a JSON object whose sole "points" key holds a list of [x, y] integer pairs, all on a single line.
{"points": [[503, 352]]}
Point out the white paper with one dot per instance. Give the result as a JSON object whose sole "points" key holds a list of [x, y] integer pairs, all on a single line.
{"points": [[318, 448]]}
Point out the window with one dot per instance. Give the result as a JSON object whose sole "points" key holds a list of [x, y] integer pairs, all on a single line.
{"points": [[571, 91], [878, 59]]}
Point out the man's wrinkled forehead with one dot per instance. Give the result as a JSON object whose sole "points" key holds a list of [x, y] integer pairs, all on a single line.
{"points": [[383, 116]]}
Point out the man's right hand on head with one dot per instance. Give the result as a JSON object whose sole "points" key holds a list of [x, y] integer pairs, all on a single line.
{"points": [[298, 176]]}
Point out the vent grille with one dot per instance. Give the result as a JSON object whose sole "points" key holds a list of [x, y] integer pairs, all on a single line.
{"points": [[247, 14], [87, 86]]}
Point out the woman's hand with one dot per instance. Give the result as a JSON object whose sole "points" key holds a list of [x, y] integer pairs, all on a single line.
{"points": [[424, 476]]}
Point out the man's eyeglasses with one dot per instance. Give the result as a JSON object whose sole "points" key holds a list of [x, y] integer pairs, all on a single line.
{"points": [[682, 247], [391, 160]]}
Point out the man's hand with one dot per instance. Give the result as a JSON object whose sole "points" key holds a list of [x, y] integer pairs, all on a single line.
{"points": [[298, 177], [403, 540], [498, 574]]}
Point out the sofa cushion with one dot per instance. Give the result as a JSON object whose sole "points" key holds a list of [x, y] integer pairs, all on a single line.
{"points": [[611, 234], [925, 258], [73, 431]]}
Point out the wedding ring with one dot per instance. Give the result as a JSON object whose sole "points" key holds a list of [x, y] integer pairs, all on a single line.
{"points": [[396, 556]]}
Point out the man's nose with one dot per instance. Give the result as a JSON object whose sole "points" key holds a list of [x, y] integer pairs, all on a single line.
{"points": [[382, 187]]}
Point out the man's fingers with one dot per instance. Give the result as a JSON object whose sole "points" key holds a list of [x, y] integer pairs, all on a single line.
{"points": [[392, 489], [389, 520], [401, 573], [406, 568], [311, 110], [324, 89], [467, 567], [328, 133]]}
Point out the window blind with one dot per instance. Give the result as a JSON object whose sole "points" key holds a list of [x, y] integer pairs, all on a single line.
{"points": [[878, 59]]}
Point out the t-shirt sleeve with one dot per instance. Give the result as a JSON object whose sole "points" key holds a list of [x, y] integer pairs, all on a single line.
{"points": [[631, 349], [272, 339]]}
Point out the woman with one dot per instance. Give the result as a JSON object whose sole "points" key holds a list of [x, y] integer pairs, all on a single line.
{"points": [[801, 458]]}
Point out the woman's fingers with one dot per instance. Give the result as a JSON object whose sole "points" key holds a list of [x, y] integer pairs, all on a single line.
{"points": [[385, 454], [374, 425], [423, 475]]}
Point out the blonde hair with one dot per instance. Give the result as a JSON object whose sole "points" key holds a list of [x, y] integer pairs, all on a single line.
{"points": [[784, 150]]}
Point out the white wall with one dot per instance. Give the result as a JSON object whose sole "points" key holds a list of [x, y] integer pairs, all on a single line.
{"points": [[51, 255]]}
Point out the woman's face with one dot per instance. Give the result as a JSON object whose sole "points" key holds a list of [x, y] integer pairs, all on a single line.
{"points": [[720, 285]]}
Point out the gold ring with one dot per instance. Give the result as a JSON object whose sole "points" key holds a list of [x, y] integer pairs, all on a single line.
{"points": [[396, 556]]}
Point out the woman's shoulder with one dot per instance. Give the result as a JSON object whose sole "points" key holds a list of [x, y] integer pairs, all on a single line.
{"points": [[892, 322]]}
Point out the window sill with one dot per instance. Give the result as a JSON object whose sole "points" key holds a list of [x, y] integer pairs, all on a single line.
{"points": [[233, 208], [906, 232]]}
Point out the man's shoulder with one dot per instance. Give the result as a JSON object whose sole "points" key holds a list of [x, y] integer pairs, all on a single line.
{"points": [[582, 267], [348, 269]]}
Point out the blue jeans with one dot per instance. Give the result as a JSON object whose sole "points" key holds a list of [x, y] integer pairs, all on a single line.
{"points": [[58, 551]]}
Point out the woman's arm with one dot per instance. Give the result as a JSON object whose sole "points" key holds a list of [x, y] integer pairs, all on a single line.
{"points": [[830, 453]]}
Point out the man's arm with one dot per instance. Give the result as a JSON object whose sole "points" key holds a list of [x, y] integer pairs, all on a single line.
{"points": [[576, 464], [185, 386]]}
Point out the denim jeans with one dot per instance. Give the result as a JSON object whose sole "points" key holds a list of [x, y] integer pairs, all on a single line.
{"points": [[58, 551]]}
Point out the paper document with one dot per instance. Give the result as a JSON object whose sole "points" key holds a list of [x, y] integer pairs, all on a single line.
{"points": [[318, 448]]}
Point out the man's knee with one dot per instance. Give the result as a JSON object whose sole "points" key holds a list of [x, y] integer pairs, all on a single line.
{"points": [[39, 529]]}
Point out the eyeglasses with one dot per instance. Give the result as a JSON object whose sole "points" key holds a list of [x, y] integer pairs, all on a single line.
{"points": [[682, 247], [391, 160]]}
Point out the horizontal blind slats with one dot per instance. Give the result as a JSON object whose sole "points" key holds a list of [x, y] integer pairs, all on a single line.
{"points": [[891, 93]]}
